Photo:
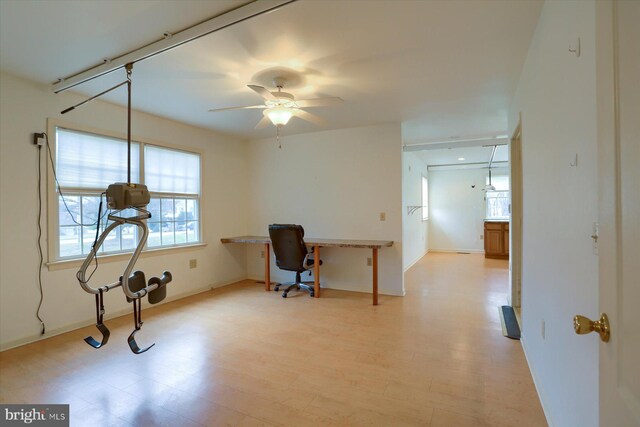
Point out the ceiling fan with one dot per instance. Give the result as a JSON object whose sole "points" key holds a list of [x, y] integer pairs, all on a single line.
{"points": [[280, 106]]}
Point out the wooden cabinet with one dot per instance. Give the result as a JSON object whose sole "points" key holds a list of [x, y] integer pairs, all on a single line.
{"points": [[496, 239]]}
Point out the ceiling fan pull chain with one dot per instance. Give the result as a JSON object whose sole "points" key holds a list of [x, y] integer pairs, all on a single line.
{"points": [[278, 136]]}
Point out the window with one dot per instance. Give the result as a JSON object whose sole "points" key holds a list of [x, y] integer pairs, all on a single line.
{"points": [[176, 178], [497, 202], [425, 198], [87, 163]]}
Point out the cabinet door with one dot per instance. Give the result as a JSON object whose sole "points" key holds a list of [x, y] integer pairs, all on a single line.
{"points": [[505, 240], [493, 242]]}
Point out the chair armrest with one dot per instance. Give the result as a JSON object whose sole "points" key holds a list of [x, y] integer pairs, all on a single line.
{"points": [[305, 261]]}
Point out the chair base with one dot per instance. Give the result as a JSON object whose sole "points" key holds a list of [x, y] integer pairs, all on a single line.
{"points": [[307, 286]]}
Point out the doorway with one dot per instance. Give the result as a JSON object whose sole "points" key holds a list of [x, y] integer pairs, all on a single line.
{"points": [[515, 235]]}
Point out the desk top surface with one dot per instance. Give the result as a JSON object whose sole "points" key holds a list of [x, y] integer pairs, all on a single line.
{"points": [[342, 243]]}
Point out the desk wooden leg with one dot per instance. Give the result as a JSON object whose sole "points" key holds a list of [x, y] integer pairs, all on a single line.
{"points": [[375, 276], [267, 268], [316, 271]]}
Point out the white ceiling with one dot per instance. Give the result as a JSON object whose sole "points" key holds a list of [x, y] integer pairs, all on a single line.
{"points": [[442, 68], [471, 155]]}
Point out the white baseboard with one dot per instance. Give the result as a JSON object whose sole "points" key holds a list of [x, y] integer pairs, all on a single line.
{"points": [[326, 286], [449, 251], [366, 291], [112, 315], [537, 384], [224, 283], [415, 261]]}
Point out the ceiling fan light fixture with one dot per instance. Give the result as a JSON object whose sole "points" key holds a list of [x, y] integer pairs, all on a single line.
{"points": [[279, 116]]}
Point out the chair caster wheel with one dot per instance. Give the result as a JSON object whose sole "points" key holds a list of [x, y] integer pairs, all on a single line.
{"points": [[276, 289], [284, 295], [311, 294]]}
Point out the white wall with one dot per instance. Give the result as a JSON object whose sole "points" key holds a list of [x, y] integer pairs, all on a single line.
{"points": [[556, 96], [335, 184], [415, 231], [24, 109], [457, 209]]}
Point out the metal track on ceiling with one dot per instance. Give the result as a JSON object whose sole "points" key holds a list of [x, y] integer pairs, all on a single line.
{"points": [[170, 41]]}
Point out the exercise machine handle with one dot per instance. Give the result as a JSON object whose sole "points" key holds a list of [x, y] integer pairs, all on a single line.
{"points": [[144, 234], [166, 278]]}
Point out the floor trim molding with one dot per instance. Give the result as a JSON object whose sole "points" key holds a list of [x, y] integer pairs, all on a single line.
{"points": [[536, 383], [258, 278], [415, 261], [112, 315], [453, 251]]}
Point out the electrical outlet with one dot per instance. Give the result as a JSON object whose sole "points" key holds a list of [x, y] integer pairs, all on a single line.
{"points": [[369, 261], [38, 139], [193, 263], [383, 216], [261, 254], [543, 326]]}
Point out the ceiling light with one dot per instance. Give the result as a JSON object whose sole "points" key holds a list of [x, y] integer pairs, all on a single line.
{"points": [[461, 158], [279, 116]]}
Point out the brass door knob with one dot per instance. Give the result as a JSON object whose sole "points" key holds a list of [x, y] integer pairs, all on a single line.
{"points": [[584, 325]]}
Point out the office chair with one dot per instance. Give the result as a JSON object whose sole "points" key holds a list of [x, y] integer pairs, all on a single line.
{"points": [[291, 255]]}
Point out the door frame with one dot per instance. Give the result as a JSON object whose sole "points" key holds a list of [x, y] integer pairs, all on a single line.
{"points": [[617, 403], [515, 217]]}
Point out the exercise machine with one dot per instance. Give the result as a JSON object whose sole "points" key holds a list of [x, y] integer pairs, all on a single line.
{"points": [[124, 197], [121, 196]]}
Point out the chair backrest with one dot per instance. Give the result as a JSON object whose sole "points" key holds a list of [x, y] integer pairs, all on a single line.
{"points": [[288, 245]]}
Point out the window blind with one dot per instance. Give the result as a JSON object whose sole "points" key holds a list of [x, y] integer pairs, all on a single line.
{"points": [[171, 171], [91, 161]]}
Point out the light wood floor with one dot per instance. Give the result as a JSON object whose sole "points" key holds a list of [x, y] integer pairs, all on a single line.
{"points": [[241, 356]]}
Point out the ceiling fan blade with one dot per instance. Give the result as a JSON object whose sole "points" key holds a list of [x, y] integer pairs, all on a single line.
{"points": [[319, 102], [316, 120], [263, 123], [263, 92], [215, 110]]}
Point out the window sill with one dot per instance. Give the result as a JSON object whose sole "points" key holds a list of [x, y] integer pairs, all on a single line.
{"points": [[77, 262]]}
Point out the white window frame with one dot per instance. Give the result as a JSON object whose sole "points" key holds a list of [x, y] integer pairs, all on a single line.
{"points": [[507, 193], [425, 204], [53, 226], [162, 196]]}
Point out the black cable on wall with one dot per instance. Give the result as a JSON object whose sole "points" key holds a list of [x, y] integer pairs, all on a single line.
{"points": [[41, 259]]}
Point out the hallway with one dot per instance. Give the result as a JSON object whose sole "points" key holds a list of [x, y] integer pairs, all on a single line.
{"points": [[240, 356], [458, 295]]}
